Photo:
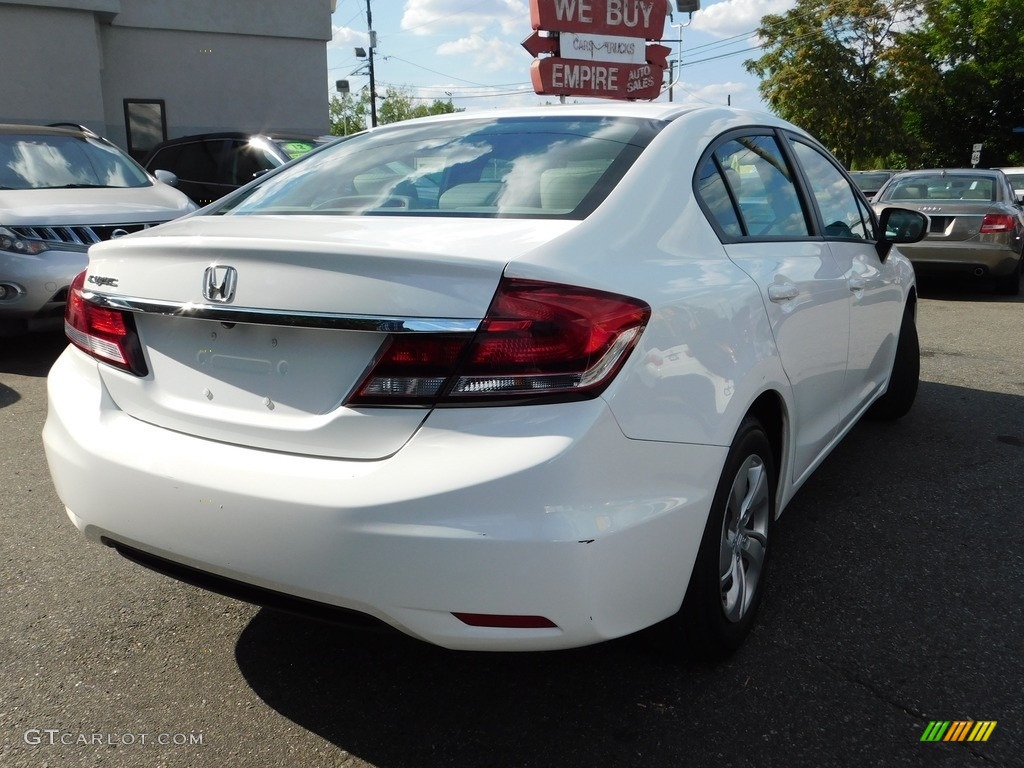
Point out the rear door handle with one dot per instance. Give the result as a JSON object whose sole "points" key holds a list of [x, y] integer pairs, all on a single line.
{"points": [[779, 292]]}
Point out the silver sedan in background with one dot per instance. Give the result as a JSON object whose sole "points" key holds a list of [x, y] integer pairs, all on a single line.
{"points": [[976, 224]]}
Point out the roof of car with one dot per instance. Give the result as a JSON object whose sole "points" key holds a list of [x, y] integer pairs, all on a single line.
{"points": [[48, 130], [650, 110], [949, 171], [272, 135]]}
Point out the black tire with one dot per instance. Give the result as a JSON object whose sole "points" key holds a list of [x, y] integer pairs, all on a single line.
{"points": [[1010, 284], [727, 582], [906, 373]]}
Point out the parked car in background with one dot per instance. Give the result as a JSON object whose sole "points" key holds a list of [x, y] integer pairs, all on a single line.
{"points": [[521, 380], [1016, 177], [977, 225], [870, 181], [210, 165], [63, 189]]}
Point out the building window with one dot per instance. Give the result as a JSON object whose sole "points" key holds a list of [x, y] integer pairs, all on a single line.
{"points": [[145, 123]]}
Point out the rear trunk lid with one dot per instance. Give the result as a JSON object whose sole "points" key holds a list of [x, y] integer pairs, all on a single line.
{"points": [[312, 302], [957, 222]]}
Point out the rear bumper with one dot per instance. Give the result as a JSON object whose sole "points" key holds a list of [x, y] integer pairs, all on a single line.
{"points": [[539, 511], [981, 259]]}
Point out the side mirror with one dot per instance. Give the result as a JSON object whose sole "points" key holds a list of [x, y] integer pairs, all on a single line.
{"points": [[166, 177], [899, 225]]}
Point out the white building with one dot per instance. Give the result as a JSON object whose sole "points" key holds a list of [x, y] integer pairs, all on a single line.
{"points": [[139, 71]]}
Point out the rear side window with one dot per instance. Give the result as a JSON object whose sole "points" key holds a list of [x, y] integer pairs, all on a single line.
{"points": [[718, 197], [763, 199], [544, 167]]}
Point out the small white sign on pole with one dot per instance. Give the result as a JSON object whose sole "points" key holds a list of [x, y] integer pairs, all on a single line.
{"points": [[618, 50]]}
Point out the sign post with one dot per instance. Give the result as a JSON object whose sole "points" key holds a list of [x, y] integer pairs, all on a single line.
{"points": [[598, 48], [976, 156]]}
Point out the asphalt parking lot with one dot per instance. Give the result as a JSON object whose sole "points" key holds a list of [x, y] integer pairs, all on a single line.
{"points": [[895, 600]]}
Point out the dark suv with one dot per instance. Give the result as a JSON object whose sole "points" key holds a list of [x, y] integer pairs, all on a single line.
{"points": [[210, 165]]}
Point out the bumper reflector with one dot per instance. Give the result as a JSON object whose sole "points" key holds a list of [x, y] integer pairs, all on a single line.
{"points": [[505, 621]]}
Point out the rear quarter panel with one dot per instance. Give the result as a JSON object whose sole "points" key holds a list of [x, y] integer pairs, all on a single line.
{"points": [[707, 351]]}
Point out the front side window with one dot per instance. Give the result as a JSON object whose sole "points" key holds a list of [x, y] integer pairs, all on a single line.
{"points": [[842, 212], [247, 160], [45, 161], [545, 167], [762, 185], [200, 161]]}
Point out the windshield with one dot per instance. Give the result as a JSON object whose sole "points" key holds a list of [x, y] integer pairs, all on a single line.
{"points": [[45, 161], [550, 167], [942, 187], [868, 180]]}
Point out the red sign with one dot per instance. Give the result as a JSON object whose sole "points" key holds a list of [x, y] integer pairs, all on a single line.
{"points": [[537, 45], [623, 18], [563, 77]]}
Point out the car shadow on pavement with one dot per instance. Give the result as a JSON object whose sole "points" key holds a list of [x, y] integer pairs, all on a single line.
{"points": [[891, 595], [30, 354], [959, 288]]}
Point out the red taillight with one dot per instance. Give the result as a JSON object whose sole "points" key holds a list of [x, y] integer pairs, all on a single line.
{"points": [[106, 334], [995, 223], [538, 340]]}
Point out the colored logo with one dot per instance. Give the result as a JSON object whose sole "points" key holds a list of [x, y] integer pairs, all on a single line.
{"points": [[958, 730]]}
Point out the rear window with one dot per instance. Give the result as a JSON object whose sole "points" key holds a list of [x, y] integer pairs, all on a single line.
{"points": [[50, 161], [942, 187], [545, 167], [296, 147]]}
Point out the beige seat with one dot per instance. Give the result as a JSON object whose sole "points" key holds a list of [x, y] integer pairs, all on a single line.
{"points": [[480, 194], [373, 183], [563, 188]]}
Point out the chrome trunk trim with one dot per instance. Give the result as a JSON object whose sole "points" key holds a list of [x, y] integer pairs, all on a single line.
{"points": [[292, 318]]}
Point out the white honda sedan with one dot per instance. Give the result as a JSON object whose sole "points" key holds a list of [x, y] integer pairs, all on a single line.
{"points": [[518, 380]]}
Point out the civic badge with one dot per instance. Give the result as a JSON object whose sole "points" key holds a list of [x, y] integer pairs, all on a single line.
{"points": [[219, 283]]}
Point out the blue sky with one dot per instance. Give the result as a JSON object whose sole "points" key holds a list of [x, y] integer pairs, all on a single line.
{"points": [[469, 50]]}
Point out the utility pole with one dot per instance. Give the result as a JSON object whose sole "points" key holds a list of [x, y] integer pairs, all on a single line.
{"points": [[373, 44]]}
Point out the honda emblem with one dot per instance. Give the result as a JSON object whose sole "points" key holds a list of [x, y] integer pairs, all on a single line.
{"points": [[219, 283]]}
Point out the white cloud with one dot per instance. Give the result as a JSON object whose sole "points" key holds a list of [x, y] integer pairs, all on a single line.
{"points": [[736, 17], [487, 53], [346, 37], [429, 17], [719, 94]]}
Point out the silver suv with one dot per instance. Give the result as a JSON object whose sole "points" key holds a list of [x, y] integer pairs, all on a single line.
{"points": [[62, 190]]}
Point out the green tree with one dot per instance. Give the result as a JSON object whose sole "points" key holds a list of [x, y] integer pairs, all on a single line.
{"points": [[964, 82], [349, 114], [399, 105], [828, 66]]}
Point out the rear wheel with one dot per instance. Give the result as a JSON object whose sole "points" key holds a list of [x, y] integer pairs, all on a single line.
{"points": [[727, 583], [906, 373]]}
